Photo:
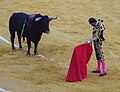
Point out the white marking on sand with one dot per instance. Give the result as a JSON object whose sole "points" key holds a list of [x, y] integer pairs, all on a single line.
{"points": [[4, 90], [39, 55], [6, 41], [110, 51]]}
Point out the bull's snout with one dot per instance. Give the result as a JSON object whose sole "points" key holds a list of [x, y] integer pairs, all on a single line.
{"points": [[47, 32]]}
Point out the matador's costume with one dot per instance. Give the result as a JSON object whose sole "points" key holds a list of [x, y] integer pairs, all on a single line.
{"points": [[97, 39]]}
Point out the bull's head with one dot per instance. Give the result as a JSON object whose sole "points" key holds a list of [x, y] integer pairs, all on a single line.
{"points": [[44, 22]]}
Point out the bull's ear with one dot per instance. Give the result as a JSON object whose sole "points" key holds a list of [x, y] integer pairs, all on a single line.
{"points": [[50, 17], [39, 18]]}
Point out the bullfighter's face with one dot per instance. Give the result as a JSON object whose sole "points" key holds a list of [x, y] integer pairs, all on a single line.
{"points": [[93, 24]]}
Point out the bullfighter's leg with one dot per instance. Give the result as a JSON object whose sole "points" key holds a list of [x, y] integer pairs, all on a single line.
{"points": [[19, 39], [29, 46], [35, 48]]}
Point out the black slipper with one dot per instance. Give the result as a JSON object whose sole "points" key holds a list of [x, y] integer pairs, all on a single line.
{"points": [[96, 71], [102, 74]]}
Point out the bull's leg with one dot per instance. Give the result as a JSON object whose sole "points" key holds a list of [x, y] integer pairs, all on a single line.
{"points": [[19, 39], [29, 46], [23, 38], [12, 40], [35, 48]]}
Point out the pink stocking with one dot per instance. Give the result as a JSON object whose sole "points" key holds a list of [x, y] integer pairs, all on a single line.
{"points": [[99, 63], [103, 67]]}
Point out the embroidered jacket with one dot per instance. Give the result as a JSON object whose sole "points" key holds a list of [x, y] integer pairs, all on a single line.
{"points": [[98, 32]]}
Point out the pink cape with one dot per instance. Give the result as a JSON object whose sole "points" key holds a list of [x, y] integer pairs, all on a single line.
{"points": [[78, 66]]}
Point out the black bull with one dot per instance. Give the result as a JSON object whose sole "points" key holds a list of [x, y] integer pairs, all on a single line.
{"points": [[30, 26]]}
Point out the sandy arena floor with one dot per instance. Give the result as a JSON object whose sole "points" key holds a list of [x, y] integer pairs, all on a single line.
{"points": [[19, 73]]}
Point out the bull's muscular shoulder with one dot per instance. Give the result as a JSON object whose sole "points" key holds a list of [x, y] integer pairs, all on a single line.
{"points": [[33, 16]]}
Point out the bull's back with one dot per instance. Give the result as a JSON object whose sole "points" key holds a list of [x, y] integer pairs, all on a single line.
{"points": [[16, 21]]}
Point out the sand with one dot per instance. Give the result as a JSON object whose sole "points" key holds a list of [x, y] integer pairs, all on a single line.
{"points": [[19, 73]]}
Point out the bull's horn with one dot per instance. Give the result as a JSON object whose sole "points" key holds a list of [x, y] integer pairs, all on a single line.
{"points": [[39, 18], [51, 17]]}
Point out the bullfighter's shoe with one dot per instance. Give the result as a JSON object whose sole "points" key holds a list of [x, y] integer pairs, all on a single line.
{"points": [[96, 71], [102, 74]]}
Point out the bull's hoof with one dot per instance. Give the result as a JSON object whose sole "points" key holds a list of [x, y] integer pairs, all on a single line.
{"points": [[36, 54], [13, 49], [21, 48], [29, 54]]}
